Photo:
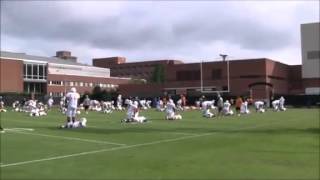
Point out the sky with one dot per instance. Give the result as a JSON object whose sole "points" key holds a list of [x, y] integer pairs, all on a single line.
{"points": [[191, 31]]}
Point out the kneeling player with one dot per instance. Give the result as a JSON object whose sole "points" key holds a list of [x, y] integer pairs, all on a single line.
{"points": [[275, 105], [2, 109], [226, 109], [76, 124], [244, 108], [206, 106], [133, 113], [170, 111], [259, 105]]}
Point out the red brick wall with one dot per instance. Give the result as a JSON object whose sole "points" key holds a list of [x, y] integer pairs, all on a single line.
{"points": [[295, 84], [141, 90], [11, 76], [278, 76], [108, 62]]}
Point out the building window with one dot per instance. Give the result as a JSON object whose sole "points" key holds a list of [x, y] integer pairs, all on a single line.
{"points": [[91, 84], [75, 83], [35, 71], [313, 54], [81, 84], [32, 87], [71, 83], [216, 74], [56, 83]]}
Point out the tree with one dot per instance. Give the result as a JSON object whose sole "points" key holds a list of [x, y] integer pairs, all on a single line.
{"points": [[96, 93], [158, 74]]}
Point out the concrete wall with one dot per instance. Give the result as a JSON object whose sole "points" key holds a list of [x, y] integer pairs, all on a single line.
{"points": [[310, 42]]}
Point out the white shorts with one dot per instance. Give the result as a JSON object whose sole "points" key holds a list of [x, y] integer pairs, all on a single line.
{"points": [[71, 112]]}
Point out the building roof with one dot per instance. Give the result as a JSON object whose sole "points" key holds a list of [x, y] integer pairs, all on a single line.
{"points": [[24, 56]]}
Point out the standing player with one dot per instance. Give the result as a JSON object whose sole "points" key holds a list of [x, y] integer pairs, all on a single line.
{"points": [[86, 104], [72, 105], [119, 102], [281, 104], [1, 129], [50, 102], [238, 105], [220, 104]]}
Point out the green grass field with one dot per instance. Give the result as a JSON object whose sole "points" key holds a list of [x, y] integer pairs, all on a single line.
{"points": [[273, 145]]}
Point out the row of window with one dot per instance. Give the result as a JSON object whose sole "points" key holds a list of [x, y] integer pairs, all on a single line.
{"points": [[81, 84], [35, 71], [31, 87]]}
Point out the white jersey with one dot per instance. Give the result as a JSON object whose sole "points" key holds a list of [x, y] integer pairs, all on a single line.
{"points": [[170, 106], [207, 105], [132, 108], [275, 103], [226, 106], [1, 104], [50, 102], [258, 104], [281, 101], [72, 98]]}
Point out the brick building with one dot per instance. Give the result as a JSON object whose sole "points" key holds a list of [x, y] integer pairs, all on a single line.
{"points": [[21, 72], [259, 78], [138, 70]]}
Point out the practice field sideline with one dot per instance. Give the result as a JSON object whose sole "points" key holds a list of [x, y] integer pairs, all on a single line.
{"points": [[273, 145]]}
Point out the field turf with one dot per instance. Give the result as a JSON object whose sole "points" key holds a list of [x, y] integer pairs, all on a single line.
{"points": [[273, 145]]}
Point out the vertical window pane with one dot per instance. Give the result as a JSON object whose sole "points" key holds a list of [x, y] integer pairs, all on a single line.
{"points": [[24, 70], [35, 70], [29, 70], [45, 71], [41, 71]]}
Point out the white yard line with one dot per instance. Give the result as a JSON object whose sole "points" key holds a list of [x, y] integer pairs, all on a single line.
{"points": [[18, 129], [182, 133], [123, 147], [67, 138]]}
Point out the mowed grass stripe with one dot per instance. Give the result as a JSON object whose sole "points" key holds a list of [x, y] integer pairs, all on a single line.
{"points": [[126, 147]]}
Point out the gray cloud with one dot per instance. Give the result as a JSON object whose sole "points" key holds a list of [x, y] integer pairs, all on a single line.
{"points": [[144, 27], [52, 22]]}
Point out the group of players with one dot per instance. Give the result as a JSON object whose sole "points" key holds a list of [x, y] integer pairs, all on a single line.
{"points": [[69, 106]]}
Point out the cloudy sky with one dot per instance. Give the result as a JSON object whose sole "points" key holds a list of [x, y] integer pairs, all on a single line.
{"points": [[148, 30]]}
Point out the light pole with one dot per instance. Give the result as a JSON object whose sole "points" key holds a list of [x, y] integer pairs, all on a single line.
{"points": [[201, 83], [224, 57]]}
